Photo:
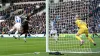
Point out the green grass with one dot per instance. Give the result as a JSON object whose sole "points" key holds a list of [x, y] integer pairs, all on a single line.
{"points": [[69, 43], [14, 47], [9, 46]]}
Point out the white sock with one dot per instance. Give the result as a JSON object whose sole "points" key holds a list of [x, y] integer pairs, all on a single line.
{"points": [[56, 37], [16, 33], [11, 30], [24, 39]]}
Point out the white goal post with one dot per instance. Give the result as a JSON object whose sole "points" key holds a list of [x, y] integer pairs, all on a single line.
{"points": [[47, 26]]}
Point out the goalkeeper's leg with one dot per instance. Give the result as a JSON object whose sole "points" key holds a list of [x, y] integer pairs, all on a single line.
{"points": [[89, 38], [78, 36]]}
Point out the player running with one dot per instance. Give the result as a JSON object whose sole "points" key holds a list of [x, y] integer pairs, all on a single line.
{"points": [[53, 31], [25, 27], [16, 26], [82, 30]]}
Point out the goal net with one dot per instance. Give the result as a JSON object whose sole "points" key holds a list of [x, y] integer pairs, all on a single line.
{"points": [[62, 14]]}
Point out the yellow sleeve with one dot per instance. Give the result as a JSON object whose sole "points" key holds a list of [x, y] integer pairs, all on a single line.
{"points": [[77, 23]]}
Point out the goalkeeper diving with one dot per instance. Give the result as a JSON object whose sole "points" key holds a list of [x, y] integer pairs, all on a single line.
{"points": [[83, 29]]}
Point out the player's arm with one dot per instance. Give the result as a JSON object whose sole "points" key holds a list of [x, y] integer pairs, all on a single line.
{"points": [[77, 23], [83, 22], [87, 25]]}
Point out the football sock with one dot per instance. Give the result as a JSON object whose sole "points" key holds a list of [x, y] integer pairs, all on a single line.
{"points": [[55, 37], [90, 39], [78, 38], [16, 32], [11, 30]]}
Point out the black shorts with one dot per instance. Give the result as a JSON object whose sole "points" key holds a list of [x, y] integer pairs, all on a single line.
{"points": [[25, 29], [25, 26]]}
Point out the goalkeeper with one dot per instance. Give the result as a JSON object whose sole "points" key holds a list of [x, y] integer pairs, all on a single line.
{"points": [[82, 30]]}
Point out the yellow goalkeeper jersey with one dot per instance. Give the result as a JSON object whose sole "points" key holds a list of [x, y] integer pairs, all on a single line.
{"points": [[80, 23]]}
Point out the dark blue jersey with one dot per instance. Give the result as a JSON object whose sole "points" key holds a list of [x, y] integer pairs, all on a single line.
{"points": [[93, 27]]}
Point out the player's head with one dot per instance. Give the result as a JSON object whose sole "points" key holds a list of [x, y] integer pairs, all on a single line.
{"points": [[77, 17]]}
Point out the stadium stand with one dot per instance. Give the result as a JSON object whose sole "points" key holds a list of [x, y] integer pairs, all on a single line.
{"points": [[66, 11], [17, 1], [23, 10], [94, 14]]}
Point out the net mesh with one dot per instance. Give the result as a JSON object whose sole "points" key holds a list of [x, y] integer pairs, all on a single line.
{"points": [[64, 13]]}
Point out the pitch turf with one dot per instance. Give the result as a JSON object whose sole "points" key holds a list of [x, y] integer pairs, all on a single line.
{"points": [[9, 46], [13, 47], [69, 43]]}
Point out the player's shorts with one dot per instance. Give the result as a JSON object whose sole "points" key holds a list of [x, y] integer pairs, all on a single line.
{"points": [[4, 29], [53, 32], [17, 26], [83, 30], [25, 28], [25, 31]]}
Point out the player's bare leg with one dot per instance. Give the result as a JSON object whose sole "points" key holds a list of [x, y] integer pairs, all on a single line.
{"points": [[90, 39], [79, 38]]}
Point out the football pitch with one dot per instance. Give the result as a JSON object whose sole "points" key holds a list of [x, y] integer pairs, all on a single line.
{"points": [[68, 43], [37, 47]]}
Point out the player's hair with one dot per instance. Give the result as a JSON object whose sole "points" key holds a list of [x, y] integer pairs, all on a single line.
{"points": [[77, 17]]}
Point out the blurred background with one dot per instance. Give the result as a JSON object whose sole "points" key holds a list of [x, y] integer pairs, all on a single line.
{"points": [[22, 8], [64, 12]]}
